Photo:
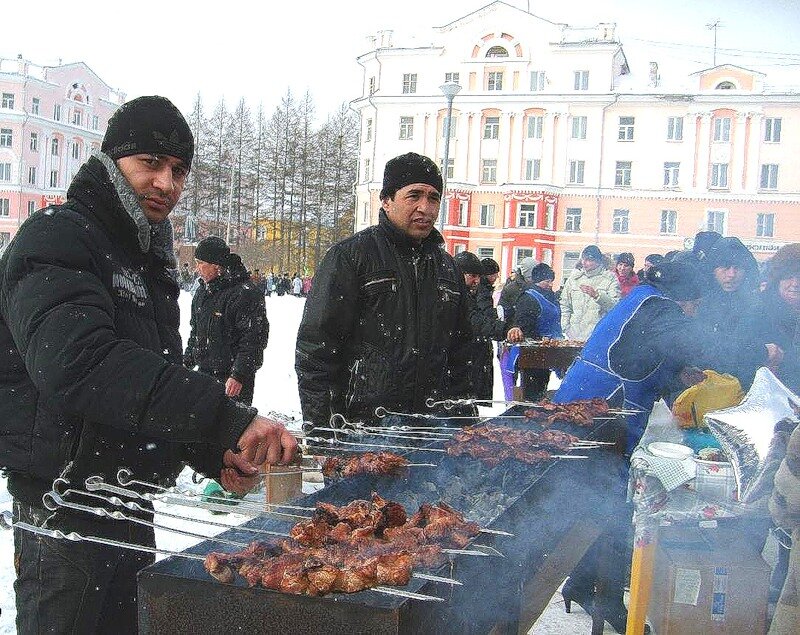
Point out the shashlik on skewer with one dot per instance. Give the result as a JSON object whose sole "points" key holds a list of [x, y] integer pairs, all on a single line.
{"points": [[580, 413]]}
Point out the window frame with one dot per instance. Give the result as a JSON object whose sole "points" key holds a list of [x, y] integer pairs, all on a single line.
{"points": [[31, 175], [672, 173], [669, 218], [772, 129], [491, 127], [6, 137], [626, 129], [488, 170], [7, 101], [34, 142], [531, 210], [533, 169], [623, 174], [494, 81], [409, 83], [719, 176], [452, 77], [5, 172], [620, 221], [580, 80], [674, 129], [577, 172], [535, 127], [406, 132], [487, 212], [35, 105], [5, 206], [768, 179], [580, 124], [761, 224], [571, 214], [716, 214], [722, 130], [538, 79]]}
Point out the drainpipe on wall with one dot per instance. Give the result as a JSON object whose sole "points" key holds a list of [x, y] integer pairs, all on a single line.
{"points": [[600, 171]]}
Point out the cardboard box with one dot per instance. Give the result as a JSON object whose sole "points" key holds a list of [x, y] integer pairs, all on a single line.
{"points": [[704, 582]]}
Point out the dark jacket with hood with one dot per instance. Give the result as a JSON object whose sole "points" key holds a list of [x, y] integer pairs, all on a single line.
{"points": [[385, 324], [229, 326], [486, 326], [90, 352]]}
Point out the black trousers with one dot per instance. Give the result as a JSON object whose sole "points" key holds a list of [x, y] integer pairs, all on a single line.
{"points": [[76, 587]]}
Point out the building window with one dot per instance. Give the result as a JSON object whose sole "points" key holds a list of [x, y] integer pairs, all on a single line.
{"points": [[581, 80], [406, 127], [366, 170], [625, 132], [365, 214], [57, 112], [715, 221], [34, 142], [532, 169], [371, 85], [579, 127], [526, 216], [722, 129], [495, 80], [576, 169], [450, 166], [368, 131], [537, 81], [491, 128], [76, 151], [463, 213], [487, 215], [457, 249], [765, 225], [620, 222], [5, 171], [489, 171], [573, 219], [31, 207], [674, 128], [671, 173], [453, 124], [569, 262], [769, 176], [669, 221], [451, 78], [520, 253], [535, 126], [35, 103], [409, 83], [497, 51], [7, 101], [77, 118], [719, 175], [772, 129], [549, 215], [6, 137], [95, 122], [726, 86], [54, 147], [5, 207], [485, 252], [32, 174], [54, 178], [623, 173]]}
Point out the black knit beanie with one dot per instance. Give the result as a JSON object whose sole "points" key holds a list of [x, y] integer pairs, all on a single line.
{"points": [[592, 252], [213, 250], [676, 279], [541, 272], [490, 266], [784, 264], [627, 258], [148, 125], [407, 169], [467, 262]]}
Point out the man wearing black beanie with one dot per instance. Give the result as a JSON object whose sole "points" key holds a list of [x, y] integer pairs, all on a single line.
{"points": [[91, 378], [386, 321]]}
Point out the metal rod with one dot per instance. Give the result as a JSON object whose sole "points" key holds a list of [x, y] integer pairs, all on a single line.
{"points": [[392, 435], [406, 594], [329, 442], [436, 578], [382, 412], [497, 532]]}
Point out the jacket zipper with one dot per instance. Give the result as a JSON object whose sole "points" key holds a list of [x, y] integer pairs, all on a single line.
{"points": [[415, 256], [392, 280]]}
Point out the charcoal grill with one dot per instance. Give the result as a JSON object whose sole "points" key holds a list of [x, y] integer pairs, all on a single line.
{"points": [[555, 511]]}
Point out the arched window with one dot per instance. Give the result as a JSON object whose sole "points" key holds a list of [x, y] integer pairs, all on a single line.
{"points": [[726, 86], [497, 51]]}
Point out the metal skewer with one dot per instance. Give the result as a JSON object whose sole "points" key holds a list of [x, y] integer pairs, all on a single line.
{"points": [[322, 442], [6, 521]]}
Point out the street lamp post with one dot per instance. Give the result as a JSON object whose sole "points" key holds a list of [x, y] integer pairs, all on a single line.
{"points": [[449, 90]]}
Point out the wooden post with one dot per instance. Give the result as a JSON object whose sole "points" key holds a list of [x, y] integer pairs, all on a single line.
{"points": [[642, 565]]}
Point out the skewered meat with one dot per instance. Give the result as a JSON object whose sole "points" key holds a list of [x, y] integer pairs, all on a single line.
{"points": [[380, 463], [579, 413], [348, 558], [495, 444]]}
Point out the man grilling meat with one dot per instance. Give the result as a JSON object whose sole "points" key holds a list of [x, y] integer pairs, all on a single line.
{"points": [[386, 321]]}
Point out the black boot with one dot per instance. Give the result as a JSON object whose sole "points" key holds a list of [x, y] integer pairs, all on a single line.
{"points": [[579, 591]]}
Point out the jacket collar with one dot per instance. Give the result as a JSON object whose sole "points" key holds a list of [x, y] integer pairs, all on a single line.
{"points": [[402, 240]]}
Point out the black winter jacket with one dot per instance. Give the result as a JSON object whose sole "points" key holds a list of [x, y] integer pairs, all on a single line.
{"points": [[385, 324], [512, 291], [486, 326], [90, 351], [229, 327], [780, 325]]}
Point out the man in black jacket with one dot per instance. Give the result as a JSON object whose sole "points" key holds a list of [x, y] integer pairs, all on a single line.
{"points": [[229, 321], [91, 378], [385, 323]]}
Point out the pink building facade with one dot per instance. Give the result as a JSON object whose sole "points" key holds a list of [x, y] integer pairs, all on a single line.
{"points": [[51, 119]]}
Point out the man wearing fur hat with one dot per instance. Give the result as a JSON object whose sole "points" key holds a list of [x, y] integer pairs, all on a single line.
{"points": [[92, 380], [587, 295], [386, 321]]}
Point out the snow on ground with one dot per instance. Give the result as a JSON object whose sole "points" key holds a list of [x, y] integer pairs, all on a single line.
{"points": [[276, 392]]}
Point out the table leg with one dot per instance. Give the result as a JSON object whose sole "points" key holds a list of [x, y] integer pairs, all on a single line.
{"points": [[642, 565]]}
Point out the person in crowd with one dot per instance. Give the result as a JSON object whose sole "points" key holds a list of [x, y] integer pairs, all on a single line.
{"points": [[186, 277], [626, 278], [229, 326], [258, 281], [306, 285], [281, 284], [386, 321], [515, 286], [649, 261], [91, 376], [297, 285], [636, 351], [731, 312], [537, 314], [780, 319], [491, 272], [588, 294], [269, 286], [486, 326]]}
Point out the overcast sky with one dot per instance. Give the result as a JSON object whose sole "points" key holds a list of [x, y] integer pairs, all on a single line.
{"points": [[177, 49]]}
